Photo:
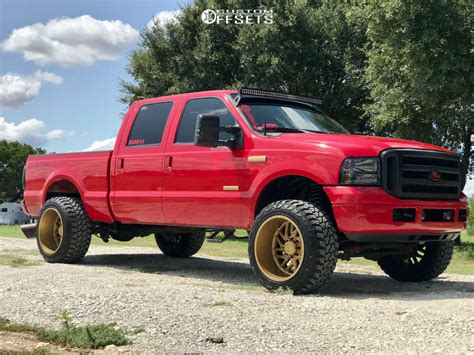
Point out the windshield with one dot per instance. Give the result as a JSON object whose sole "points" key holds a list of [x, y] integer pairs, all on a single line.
{"points": [[283, 117]]}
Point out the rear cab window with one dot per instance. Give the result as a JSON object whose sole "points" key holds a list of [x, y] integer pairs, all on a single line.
{"points": [[149, 124]]}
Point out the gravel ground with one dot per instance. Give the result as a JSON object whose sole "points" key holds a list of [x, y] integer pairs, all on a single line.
{"points": [[179, 305]]}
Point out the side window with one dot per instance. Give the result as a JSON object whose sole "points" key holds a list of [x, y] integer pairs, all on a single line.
{"points": [[149, 124], [206, 106]]}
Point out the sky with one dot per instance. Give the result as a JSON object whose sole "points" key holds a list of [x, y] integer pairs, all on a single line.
{"points": [[61, 62]]}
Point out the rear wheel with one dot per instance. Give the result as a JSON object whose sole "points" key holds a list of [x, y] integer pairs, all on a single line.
{"points": [[428, 262], [293, 245], [64, 230], [180, 245]]}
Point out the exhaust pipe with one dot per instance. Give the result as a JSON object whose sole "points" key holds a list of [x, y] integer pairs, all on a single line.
{"points": [[29, 230]]}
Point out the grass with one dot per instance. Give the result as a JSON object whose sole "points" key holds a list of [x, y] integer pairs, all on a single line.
{"points": [[7, 326], [16, 261], [84, 337], [462, 262]]}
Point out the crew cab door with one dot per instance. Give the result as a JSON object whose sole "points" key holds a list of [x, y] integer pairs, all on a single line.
{"points": [[137, 168], [202, 185]]}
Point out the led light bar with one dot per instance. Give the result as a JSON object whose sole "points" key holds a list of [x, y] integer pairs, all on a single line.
{"points": [[247, 92]]}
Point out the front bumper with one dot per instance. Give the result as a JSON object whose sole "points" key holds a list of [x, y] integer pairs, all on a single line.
{"points": [[368, 211]]}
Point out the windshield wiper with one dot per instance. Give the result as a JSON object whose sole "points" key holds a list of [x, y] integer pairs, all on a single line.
{"points": [[291, 130], [313, 131]]}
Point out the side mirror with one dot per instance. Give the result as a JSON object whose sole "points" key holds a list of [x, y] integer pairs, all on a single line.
{"points": [[207, 131]]}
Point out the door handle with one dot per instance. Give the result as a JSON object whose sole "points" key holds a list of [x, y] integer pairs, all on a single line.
{"points": [[168, 163], [120, 163]]}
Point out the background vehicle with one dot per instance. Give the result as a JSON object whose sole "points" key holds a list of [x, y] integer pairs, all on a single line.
{"points": [[273, 164]]}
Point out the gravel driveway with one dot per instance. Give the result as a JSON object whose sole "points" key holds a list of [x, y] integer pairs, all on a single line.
{"points": [[177, 305]]}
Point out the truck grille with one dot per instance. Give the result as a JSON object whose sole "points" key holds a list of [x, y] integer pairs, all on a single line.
{"points": [[421, 174]]}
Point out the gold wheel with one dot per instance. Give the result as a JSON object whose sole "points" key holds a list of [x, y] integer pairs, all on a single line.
{"points": [[279, 248], [50, 231]]}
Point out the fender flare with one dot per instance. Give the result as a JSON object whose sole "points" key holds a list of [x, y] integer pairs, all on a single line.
{"points": [[58, 177]]}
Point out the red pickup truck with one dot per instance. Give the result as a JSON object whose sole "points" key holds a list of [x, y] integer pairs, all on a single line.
{"points": [[274, 164]]}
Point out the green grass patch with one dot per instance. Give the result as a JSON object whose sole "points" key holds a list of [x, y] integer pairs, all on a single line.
{"points": [[17, 261], [84, 337], [7, 326], [87, 337], [11, 231]]}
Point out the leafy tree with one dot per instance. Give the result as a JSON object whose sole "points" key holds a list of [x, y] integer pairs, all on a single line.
{"points": [[310, 49], [398, 68], [13, 157], [419, 72]]}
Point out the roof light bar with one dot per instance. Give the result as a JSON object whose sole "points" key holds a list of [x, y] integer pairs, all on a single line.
{"points": [[247, 92]]}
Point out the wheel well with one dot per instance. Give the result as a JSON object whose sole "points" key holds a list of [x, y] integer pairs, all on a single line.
{"points": [[294, 187], [62, 188]]}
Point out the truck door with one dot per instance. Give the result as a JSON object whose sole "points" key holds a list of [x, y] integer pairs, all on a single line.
{"points": [[201, 185], [137, 168]]}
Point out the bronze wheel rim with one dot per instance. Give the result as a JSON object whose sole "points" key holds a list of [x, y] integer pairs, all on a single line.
{"points": [[50, 231], [417, 257], [279, 248]]}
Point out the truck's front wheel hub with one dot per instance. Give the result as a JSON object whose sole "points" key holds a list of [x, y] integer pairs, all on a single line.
{"points": [[279, 248]]}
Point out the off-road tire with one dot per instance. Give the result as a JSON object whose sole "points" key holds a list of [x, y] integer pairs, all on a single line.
{"points": [[184, 244], [435, 260], [77, 230], [320, 245]]}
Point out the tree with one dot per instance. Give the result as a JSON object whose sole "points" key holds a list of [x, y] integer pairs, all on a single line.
{"points": [[310, 49], [399, 68], [419, 72], [13, 157]]}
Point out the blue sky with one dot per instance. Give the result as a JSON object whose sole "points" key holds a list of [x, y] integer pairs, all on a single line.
{"points": [[78, 103]]}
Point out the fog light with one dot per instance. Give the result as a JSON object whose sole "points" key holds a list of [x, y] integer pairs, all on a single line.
{"points": [[404, 214], [448, 215]]}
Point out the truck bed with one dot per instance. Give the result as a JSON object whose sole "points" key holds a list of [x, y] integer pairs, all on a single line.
{"points": [[88, 171]]}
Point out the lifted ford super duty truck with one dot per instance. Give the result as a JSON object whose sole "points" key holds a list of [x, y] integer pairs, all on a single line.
{"points": [[307, 191]]}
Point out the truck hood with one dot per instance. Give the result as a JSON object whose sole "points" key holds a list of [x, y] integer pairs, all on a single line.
{"points": [[351, 145]]}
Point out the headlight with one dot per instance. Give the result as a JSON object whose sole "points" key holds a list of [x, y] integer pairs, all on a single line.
{"points": [[360, 171]]}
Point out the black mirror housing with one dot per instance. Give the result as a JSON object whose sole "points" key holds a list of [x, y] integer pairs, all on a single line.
{"points": [[207, 131]]}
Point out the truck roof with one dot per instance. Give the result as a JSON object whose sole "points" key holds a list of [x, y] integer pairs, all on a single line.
{"points": [[188, 94]]}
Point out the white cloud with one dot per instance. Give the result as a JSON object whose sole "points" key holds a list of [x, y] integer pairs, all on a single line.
{"points": [[163, 17], [31, 132], [16, 89], [71, 42], [106, 144]]}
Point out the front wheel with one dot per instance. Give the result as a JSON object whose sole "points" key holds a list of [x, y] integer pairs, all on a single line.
{"points": [[428, 262], [180, 245], [293, 245]]}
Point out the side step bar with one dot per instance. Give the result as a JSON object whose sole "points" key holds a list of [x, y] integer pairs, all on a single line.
{"points": [[29, 230]]}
